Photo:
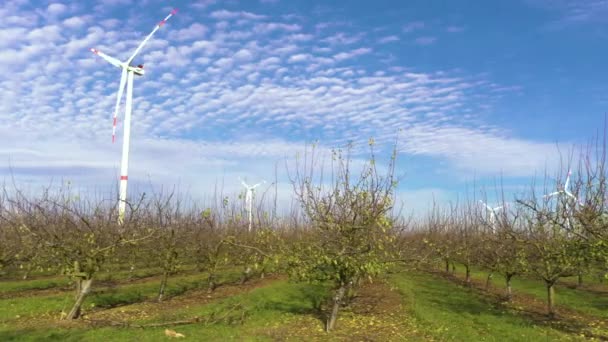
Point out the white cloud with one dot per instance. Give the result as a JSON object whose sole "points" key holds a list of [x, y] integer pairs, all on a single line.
{"points": [[426, 40], [351, 54], [195, 31], [219, 98], [75, 22], [413, 26], [228, 15], [484, 153], [202, 4], [302, 57], [56, 9], [243, 55], [10, 36], [455, 29], [388, 39], [114, 2], [574, 11], [342, 38], [265, 28]]}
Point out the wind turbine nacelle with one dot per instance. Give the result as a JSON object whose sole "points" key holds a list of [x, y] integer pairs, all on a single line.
{"points": [[137, 70]]}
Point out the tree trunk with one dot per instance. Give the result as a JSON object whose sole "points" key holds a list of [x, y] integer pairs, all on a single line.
{"points": [[211, 283], [550, 299], [78, 280], [580, 279], [85, 289], [78, 288], [246, 275], [447, 265], [163, 286], [131, 269], [488, 280], [331, 322], [509, 292], [453, 268], [27, 272], [467, 275]]}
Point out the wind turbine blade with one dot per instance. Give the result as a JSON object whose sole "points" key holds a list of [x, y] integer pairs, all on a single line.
{"points": [[567, 181], [244, 184], [141, 45], [497, 208], [115, 62], [552, 194], [121, 89], [570, 194]]}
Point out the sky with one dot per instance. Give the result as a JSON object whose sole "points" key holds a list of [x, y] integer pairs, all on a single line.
{"points": [[475, 92]]}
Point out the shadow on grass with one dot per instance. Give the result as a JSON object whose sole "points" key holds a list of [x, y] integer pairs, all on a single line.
{"points": [[533, 311], [43, 335], [304, 299]]}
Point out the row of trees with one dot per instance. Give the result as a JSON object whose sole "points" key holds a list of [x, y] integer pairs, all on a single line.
{"points": [[346, 231]]}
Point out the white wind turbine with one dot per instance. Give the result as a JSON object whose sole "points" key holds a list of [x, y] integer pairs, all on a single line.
{"points": [[492, 214], [128, 71], [249, 199], [564, 191]]}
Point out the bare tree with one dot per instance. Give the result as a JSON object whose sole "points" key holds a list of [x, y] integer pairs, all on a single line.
{"points": [[350, 225]]}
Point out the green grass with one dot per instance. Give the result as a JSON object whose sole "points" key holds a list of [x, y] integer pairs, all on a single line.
{"points": [[274, 303], [37, 282], [582, 300], [433, 307], [33, 284], [455, 313], [15, 308]]}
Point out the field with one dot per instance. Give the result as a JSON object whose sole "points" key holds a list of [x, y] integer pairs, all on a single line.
{"points": [[403, 305], [342, 268]]}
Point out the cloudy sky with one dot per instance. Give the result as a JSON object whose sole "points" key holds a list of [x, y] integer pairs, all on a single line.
{"points": [[472, 90]]}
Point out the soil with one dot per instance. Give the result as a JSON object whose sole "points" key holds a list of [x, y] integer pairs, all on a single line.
{"points": [[375, 314]]}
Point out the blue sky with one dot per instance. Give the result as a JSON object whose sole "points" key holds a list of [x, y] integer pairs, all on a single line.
{"points": [[474, 90]]}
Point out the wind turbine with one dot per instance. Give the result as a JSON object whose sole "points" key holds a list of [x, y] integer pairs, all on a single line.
{"points": [[249, 199], [492, 213], [128, 71], [564, 191]]}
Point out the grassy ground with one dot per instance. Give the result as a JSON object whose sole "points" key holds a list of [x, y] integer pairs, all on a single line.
{"points": [[452, 312], [406, 306], [591, 298]]}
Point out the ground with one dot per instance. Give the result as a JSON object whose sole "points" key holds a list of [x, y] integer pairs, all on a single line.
{"points": [[406, 305]]}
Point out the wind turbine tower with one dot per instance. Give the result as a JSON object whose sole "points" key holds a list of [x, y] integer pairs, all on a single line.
{"points": [[126, 78], [249, 199]]}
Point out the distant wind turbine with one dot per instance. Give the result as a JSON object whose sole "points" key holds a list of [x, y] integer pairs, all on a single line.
{"points": [[492, 214], [564, 191], [128, 71], [249, 199]]}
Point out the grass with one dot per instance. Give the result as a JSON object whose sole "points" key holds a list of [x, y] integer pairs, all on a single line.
{"points": [[456, 313], [45, 281], [409, 307], [582, 300], [51, 305], [9, 286], [261, 305]]}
